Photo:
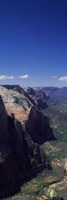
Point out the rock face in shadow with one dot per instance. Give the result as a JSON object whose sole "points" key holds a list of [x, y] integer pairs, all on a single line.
{"points": [[20, 158], [38, 127], [3, 122], [39, 97]]}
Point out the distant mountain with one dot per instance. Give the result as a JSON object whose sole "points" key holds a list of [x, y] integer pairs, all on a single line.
{"points": [[48, 98], [55, 93]]}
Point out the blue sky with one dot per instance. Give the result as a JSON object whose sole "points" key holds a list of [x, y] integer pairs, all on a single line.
{"points": [[33, 42]]}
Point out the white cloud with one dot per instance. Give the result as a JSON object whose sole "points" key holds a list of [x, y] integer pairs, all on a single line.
{"points": [[24, 76], [5, 77], [54, 76], [63, 78]]}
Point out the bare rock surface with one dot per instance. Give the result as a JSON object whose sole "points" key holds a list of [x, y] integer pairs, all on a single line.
{"points": [[15, 101]]}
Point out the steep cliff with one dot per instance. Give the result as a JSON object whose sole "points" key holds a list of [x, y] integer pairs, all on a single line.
{"points": [[38, 126], [20, 158]]}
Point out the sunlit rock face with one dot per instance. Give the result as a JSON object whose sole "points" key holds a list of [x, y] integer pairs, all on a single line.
{"points": [[15, 101], [20, 158], [38, 126]]}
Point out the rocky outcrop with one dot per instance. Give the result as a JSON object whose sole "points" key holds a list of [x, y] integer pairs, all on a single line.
{"points": [[20, 158], [38, 127], [30, 91], [38, 96]]}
